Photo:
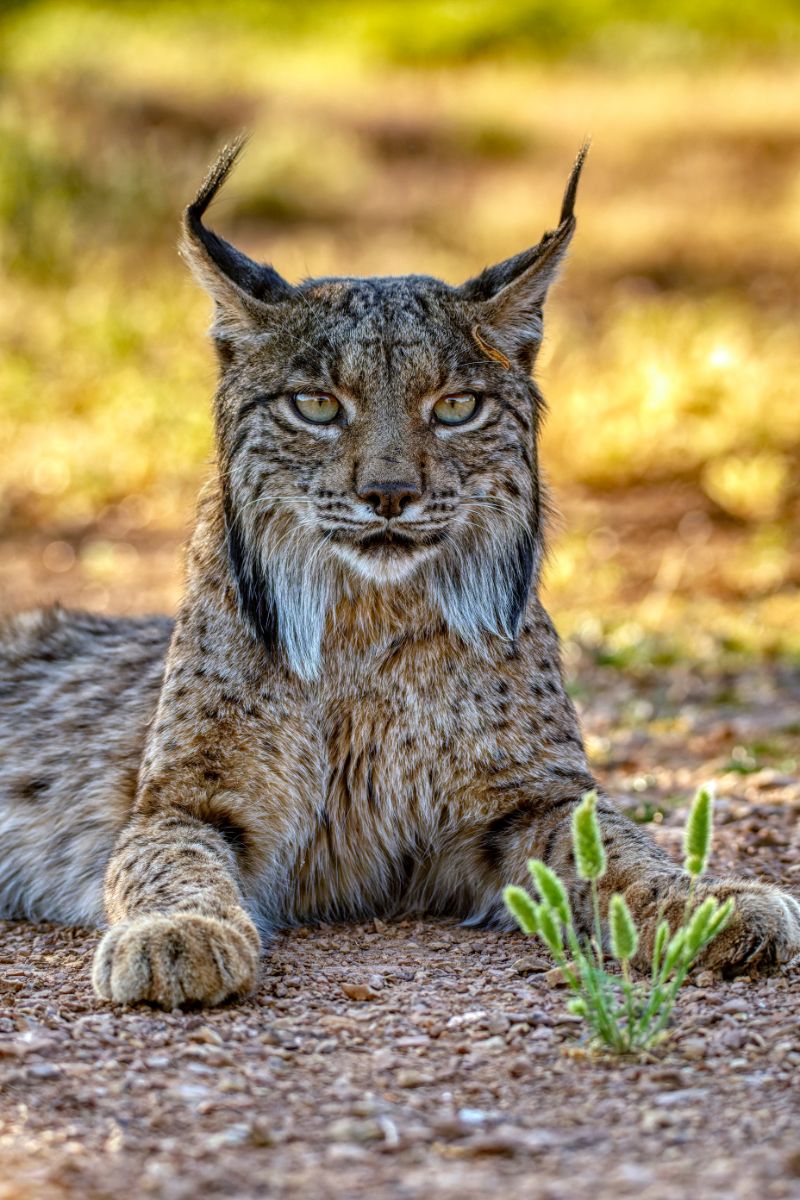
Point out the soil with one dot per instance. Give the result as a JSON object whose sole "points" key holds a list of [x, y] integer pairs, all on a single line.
{"points": [[420, 1059]]}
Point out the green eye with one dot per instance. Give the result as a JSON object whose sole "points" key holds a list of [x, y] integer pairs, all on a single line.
{"points": [[317, 407], [455, 410]]}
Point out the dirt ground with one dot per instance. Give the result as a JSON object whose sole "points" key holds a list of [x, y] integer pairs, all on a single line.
{"points": [[421, 1059]]}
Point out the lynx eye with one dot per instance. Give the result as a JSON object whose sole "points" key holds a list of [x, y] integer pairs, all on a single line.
{"points": [[455, 410], [317, 407]]}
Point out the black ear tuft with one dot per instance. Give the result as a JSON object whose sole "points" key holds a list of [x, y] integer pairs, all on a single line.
{"points": [[216, 175], [512, 293], [219, 265], [571, 190], [538, 264]]}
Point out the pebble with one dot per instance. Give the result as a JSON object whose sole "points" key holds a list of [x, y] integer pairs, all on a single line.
{"points": [[410, 1078], [472, 1116], [359, 991], [498, 1024], [348, 1129], [205, 1034], [554, 978], [529, 964], [44, 1071]]}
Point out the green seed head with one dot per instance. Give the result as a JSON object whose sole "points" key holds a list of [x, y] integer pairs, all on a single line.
{"points": [[721, 918], [662, 933], [624, 938], [699, 924], [577, 1006], [697, 839], [550, 930], [587, 844], [707, 920], [675, 950], [522, 908], [551, 889]]}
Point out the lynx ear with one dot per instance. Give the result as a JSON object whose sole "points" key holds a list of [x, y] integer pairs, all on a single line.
{"points": [[513, 292], [242, 290]]}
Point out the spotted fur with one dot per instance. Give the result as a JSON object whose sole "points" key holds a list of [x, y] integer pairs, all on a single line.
{"points": [[359, 708]]}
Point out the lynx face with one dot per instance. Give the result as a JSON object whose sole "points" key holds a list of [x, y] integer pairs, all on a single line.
{"points": [[371, 414], [377, 433]]}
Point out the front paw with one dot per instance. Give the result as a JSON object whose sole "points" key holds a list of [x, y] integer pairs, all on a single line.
{"points": [[179, 959], [763, 932]]}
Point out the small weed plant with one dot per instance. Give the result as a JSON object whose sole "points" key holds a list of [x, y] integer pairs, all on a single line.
{"points": [[624, 1015]]}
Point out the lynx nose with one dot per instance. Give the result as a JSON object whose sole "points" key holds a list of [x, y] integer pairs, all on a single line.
{"points": [[388, 499]]}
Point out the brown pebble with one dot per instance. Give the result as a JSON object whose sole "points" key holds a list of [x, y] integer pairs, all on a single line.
{"points": [[359, 991]]}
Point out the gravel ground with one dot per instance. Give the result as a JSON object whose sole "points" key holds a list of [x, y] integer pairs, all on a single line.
{"points": [[421, 1059]]}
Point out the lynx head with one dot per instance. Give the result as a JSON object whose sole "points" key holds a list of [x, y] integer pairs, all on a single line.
{"points": [[377, 433]]}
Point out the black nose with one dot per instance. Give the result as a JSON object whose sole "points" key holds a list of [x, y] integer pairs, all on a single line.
{"points": [[389, 499]]}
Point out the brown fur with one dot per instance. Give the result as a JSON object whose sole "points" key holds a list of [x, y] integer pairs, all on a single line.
{"points": [[360, 707]]}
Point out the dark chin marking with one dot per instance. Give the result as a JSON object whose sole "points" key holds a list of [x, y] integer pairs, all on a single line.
{"points": [[252, 587]]}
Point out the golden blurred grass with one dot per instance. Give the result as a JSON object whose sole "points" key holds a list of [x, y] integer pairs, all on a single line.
{"points": [[388, 139]]}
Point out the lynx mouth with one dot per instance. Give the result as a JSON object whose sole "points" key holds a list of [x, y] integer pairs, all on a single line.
{"points": [[387, 556], [391, 542]]}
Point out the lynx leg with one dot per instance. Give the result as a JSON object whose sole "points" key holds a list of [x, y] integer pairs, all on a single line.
{"points": [[181, 933], [763, 933]]}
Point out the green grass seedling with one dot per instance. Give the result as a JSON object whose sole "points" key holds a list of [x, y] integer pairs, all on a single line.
{"points": [[624, 1014]]}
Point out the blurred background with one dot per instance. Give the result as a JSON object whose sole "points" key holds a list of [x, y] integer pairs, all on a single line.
{"points": [[433, 137]]}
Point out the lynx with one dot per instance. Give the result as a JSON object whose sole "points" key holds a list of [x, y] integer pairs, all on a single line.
{"points": [[359, 708]]}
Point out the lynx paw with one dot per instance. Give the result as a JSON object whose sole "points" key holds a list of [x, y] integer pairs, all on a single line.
{"points": [[763, 933], [174, 960]]}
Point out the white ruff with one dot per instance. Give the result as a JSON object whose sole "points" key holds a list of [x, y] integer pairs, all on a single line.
{"points": [[302, 590], [471, 583]]}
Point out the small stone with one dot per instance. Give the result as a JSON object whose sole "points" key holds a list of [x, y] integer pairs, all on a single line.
{"points": [[234, 1135], [705, 979], [346, 1152], [491, 1043], [651, 1119], [519, 1067], [529, 964], [554, 978], [367, 1106], [409, 1078], [261, 1133], [498, 1024], [733, 1008], [349, 1129], [44, 1071], [473, 1017], [447, 1126], [205, 1034], [359, 991], [472, 1116]]}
